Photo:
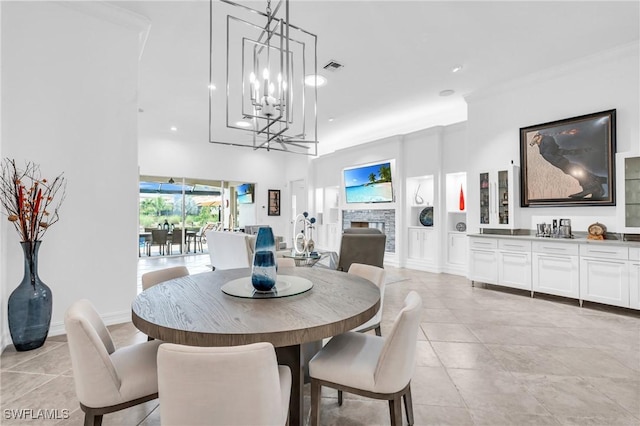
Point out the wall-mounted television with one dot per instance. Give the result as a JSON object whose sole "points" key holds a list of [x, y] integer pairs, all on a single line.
{"points": [[244, 193], [369, 183]]}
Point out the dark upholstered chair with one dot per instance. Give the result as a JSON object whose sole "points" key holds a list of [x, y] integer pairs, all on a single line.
{"points": [[362, 245]]}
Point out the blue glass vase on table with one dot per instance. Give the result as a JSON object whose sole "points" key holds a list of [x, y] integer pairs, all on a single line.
{"points": [[264, 270]]}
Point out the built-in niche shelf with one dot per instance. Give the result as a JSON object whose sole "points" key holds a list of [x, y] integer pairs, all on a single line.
{"points": [[420, 194], [455, 183]]}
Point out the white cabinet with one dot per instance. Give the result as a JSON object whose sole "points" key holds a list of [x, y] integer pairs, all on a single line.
{"points": [[422, 248], [483, 260], [498, 193], [555, 268], [628, 178], [505, 262], [514, 264], [604, 274], [457, 248], [634, 277]]}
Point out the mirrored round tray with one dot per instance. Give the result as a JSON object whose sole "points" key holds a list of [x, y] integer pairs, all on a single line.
{"points": [[286, 285]]}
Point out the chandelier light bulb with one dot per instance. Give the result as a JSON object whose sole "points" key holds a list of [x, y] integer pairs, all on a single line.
{"points": [[252, 78], [271, 88], [265, 74]]}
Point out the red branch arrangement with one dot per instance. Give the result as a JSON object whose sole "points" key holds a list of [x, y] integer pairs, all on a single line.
{"points": [[31, 202]]}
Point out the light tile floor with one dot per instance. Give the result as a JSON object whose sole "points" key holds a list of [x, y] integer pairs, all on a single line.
{"points": [[485, 356]]}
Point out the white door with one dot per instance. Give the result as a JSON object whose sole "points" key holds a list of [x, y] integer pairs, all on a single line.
{"points": [[298, 205]]}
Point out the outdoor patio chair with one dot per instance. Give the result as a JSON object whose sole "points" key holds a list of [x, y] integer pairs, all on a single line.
{"points": [[159, 238], [176, 238]]}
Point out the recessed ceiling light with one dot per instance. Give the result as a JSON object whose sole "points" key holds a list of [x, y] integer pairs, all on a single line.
{"points": [[456, 68], [315, 80], [447, 92], [243, 124], [330, 119], [174, 129]]}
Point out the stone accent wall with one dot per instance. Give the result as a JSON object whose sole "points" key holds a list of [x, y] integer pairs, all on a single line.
{"points": [[388, 217]]}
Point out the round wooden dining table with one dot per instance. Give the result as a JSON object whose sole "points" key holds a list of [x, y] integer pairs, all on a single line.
{"points": [[193, 310]]}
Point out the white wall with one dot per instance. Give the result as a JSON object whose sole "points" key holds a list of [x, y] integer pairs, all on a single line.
{"points": [[597, 83], [69, 103]]}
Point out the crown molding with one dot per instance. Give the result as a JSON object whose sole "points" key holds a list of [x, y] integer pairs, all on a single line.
{"points": [[115, 15], [586, 62]]}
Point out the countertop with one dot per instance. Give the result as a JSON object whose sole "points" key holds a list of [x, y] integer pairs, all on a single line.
{"points": [[578, 239]]}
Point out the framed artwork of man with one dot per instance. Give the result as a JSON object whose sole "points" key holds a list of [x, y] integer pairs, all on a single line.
{"points": [[569, 162]]}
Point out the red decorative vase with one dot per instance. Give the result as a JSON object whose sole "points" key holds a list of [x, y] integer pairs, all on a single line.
{"points": [[461, 199]]}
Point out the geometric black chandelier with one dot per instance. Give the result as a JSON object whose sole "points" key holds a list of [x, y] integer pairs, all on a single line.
{"points": [[258, 65]]}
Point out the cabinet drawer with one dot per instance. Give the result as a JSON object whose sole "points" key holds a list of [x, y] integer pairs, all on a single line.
{"points": [[604, 251], [483, 243], [511, 245], [634, 253], [552, 247]]}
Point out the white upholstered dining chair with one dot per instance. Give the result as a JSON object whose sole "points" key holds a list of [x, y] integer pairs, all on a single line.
{"points": [[372, 366], [149, 279], [230, 250], [376, 275], [236, 385], [107, 379], [286, 262]]}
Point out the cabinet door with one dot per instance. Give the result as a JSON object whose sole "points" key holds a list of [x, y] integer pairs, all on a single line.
{"points": [[483, 266], [428, 245], [604, 281], [514, 269], [498, 191], [634, 285], [457, 249], [556, 274], [414, 244]]}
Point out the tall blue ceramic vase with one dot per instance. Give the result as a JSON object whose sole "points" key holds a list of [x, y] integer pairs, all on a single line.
{"points": [[30, 304], [264, 271]]}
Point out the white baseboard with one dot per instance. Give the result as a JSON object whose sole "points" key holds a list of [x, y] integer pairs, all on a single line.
{"points": [[57, 328]]}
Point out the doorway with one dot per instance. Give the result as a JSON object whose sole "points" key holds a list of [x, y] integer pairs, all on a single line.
{"points": [[298, 205]]}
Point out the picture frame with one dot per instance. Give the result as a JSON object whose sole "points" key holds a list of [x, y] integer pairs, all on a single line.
{"points": [[569, 162], [274, 202]]}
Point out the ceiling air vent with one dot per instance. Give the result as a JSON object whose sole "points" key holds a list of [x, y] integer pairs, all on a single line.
{"points": [[333, 65]]}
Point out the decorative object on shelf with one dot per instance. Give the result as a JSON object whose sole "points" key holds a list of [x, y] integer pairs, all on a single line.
{"points": [[461, 226], [426, 216], [461, 199], [417, 198], [597, 231], [31, 204], [559, 160], [268, 68], [303, 240]]}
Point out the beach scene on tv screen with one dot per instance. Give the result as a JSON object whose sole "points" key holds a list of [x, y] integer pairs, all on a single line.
{"points": [[369, 184]]}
